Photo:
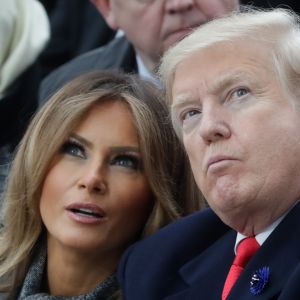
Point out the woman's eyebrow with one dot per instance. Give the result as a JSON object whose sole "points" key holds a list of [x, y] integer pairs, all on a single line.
{"points": [[114, 149], [122, 149], [81, 139]]}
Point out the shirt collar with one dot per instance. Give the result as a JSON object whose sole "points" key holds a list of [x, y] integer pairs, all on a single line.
{"points": [[145, 73], [261, 237]]}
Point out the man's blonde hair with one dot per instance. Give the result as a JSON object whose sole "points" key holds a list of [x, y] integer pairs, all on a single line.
{"points": [[277, 29]]}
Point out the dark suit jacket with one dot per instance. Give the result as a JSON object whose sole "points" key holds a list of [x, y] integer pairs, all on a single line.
{"points": [[18, 105], [292, 4], [117, 55], [190, 259], [76, 28]]}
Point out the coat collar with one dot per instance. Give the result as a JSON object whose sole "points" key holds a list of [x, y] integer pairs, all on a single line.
{"points": [[280, 252], [205, 274]]}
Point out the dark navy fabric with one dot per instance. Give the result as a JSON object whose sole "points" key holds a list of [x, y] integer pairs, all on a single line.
{"points": [[190, 259], [116, 55]]}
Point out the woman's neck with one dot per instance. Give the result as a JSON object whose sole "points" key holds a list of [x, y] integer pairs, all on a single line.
{"points": [[71, 272]]}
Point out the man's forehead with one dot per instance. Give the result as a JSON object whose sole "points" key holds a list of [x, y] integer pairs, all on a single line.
{"points": [[190, 91], [220, 63]]}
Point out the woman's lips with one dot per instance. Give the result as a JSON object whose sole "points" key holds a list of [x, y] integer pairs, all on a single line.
{"points": [[87, 213]]}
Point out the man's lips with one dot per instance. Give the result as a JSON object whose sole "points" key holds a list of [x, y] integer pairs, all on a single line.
{"points": [[214, 160], [177, 36], [181, 32]]}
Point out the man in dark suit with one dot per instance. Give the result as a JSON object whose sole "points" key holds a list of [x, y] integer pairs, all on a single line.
{"points": [[233, 87], [76, 28], [149, 26]]}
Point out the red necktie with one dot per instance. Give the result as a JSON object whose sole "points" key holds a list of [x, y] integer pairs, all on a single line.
{"points": [[245, 250]]}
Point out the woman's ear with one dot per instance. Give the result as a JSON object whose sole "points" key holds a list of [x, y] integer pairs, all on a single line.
{"points": [[105, 8]]}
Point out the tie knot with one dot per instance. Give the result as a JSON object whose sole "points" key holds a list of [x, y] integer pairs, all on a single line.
{"points": [[245, 250]]}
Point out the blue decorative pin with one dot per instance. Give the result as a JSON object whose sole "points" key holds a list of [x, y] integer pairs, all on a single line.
{"points": [[259, 280]]}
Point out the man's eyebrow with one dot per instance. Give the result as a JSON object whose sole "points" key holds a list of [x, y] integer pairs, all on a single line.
{"points": [[182, 99], [216, 86], [227, 79]]}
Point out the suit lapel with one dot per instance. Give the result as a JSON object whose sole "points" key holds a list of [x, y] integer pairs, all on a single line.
{"points": [[280, 253], [206, 273]]}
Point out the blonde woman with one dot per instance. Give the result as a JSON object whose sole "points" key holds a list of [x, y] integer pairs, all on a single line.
{"points": [[98, 168]]}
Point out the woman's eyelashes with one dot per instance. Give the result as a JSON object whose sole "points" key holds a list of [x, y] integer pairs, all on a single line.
{"points": [[131, 161], [126, 160], [73, 148]]}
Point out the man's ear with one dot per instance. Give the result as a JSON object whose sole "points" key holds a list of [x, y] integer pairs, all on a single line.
{"points": [[104, 7]]}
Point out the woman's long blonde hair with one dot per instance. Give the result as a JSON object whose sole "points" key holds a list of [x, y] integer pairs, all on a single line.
{"points": [[165, 163]]}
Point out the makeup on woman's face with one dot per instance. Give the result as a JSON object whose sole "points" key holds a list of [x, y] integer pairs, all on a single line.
{"points": [[96, 196]]}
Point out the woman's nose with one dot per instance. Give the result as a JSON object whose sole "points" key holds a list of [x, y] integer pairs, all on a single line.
{"points": [[93, 180]]}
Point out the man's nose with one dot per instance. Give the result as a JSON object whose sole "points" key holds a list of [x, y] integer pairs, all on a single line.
{"points": [[179, 6], [214, 125], [93, 179]]}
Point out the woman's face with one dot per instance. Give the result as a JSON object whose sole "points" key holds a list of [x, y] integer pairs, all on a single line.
{"points": [[96, 196]]}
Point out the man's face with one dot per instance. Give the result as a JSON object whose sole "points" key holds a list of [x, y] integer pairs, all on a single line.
{"points": [[241, 133], [154, 25]]}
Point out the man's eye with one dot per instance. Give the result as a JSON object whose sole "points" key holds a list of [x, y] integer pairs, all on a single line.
{"points": [[240, 92], [127, 161], [189, 114], [73, 149]]}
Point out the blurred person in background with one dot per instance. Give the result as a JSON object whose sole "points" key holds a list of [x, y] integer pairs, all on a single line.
{"points": [[150, 27], [76, 27], [24, 32], [289, 4]]}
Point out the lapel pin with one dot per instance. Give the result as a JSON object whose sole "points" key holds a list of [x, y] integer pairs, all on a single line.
{"points": [[259, 280]]}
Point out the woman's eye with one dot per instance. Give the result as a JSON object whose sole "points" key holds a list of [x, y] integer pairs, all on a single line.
{"points": [[127, 161], [73, 149]]}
